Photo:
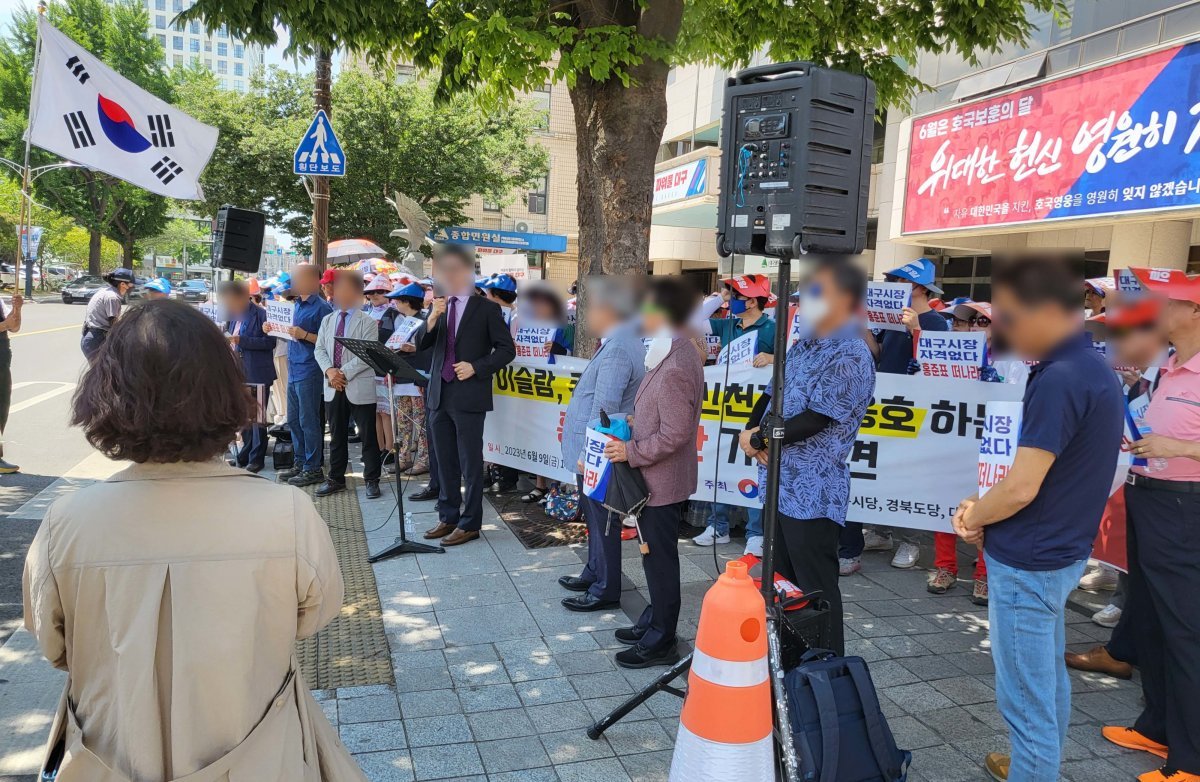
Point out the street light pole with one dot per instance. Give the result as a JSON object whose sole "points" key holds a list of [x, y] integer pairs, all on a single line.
{"points": [[320, 184]]}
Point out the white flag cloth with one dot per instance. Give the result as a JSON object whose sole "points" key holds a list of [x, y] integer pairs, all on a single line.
{"points": [[86, 112]]}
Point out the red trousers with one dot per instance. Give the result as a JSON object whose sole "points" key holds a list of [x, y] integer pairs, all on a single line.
{"points": [[945, 555]]}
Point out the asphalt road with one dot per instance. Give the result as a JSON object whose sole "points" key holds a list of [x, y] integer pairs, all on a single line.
{"points": [[46, 366]]}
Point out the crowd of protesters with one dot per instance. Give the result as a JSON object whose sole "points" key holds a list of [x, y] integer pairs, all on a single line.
{"points": [[1030, 536]]}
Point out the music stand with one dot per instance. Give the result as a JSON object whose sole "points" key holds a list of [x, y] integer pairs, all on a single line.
{"points": [[379, 358]]}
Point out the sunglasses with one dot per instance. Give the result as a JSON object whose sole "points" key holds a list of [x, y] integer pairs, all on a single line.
{"points": [[980, 320]]}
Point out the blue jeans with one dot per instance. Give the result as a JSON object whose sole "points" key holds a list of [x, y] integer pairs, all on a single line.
{"points": [[718, 519], [1033, 690], [304, 403]]}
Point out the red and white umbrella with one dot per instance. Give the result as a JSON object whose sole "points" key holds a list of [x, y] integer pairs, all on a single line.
{"points": [[345, 251]]}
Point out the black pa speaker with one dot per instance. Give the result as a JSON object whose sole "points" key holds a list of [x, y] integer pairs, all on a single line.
{"points": [[797, 161], [238, 239]]}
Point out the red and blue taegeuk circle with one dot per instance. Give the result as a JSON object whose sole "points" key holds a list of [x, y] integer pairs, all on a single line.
{"points": [[118, 126], [748, 488]]}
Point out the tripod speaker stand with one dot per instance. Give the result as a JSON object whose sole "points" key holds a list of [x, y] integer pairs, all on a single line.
{"points": [[391, 366]]}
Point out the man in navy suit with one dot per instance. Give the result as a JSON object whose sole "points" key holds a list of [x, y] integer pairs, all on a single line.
{"points": [[244, 329], [470, 342]]}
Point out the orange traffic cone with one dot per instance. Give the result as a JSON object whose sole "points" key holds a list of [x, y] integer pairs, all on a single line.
{"points": [[725, 727]]}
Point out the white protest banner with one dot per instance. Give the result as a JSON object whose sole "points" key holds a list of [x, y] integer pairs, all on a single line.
{"points": [[952, 354], [214, 312], [998, 448], [596, 468], [740, 350], [280, 315], [403, 333], [910, 466], [516, 265], [531, 338], [885, 304], [524, 429]]}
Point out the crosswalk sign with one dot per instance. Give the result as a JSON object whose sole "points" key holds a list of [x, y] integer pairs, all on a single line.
{"points": [[320, 152]]}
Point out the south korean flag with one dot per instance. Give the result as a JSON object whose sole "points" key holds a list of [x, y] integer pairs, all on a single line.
{"points": [[86, 112]]}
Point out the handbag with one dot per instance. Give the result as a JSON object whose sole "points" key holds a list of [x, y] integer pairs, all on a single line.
{"points": [[838, 729], [283, 455]]}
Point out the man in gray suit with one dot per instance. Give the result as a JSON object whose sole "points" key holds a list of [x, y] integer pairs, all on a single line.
{"points": [[609, 383], [349, 384]]}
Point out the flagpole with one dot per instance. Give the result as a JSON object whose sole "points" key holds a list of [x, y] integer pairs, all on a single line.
{"points": [[25, 240]]}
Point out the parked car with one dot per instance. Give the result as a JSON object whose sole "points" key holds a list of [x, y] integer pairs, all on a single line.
{"points": [[81, 289], [192, 290]]}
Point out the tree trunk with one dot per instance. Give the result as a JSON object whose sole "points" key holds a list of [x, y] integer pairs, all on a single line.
{"points": [[618, 131], [94, 237], [127, 254]]}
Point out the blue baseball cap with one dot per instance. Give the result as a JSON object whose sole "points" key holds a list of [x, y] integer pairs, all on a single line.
{"points": [[160, 284], [921, 272], [500, 282], [120, 275], [412, 290]]}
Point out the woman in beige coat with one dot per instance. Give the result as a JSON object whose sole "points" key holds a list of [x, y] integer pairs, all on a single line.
{"points": [[174, 592]]}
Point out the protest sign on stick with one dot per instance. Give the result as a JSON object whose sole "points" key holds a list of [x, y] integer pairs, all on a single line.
{"points": [[280, 315], [531, 339], [885, 304], [403, 333], [952, 354]]}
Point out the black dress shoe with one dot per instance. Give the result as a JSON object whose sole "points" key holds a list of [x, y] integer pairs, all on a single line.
{"points": [[354, 438], [423, 494], [588, 602], [629, 635], [254, 468], [641, 657], [574, 583], [329, 487], [373, 492]]}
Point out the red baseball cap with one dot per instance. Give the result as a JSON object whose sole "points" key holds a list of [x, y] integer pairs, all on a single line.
{"points": [[1169, 283], [1140, 312], [750, 285], [327, 277]]}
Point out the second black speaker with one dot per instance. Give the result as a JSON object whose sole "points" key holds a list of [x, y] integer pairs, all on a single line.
{"points": [[238, 239]]}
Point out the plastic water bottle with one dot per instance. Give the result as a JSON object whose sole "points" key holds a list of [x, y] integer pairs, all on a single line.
{"points": [[408, 525], [1157, 463]]}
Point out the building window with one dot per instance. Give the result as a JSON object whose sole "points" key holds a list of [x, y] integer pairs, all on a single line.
{"points": [[194, 45], [195, 60], [238, 69], [160, 22], [208, 44], [176, 5], [178, 59], [490, 206], [222, 32], [162, 40], [177, 43], [160, 5], [224, 83], [537, 198], [541, 102], [239, 51], [222, 50], [222, 66], [238, 85], [194, 28]]}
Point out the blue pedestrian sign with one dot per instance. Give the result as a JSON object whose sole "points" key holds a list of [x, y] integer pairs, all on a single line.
{"points": [[319, 153]]}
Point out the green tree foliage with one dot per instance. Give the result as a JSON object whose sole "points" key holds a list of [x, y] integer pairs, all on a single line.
{"points": [[614, 56], [396, 137], [175, 236], [62, 240], [102, 204]]}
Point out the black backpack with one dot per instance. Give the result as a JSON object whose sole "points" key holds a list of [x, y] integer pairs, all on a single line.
{"points": [[838, 729]]}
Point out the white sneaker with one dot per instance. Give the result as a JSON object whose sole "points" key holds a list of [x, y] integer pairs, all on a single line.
{"points": [[906, 555], [1097, 579], [1107, 616], [754, 545], [709, 536], [873, 541], [848, 566]]}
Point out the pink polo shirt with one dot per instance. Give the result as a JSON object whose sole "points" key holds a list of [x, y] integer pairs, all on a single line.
{"points": [[1174, 411]]}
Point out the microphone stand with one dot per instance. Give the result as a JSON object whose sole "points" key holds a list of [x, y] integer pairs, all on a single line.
{"points": [[388, 364]]}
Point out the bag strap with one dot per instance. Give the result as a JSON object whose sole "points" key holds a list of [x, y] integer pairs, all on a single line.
{"points": [[880, 746], [831, 732], [816, 654]]}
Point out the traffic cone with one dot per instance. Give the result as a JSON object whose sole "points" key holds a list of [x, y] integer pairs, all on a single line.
{"points": [[725, 726]]}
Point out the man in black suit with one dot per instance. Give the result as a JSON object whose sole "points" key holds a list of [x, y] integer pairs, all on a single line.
{"points": [[470, 342]]}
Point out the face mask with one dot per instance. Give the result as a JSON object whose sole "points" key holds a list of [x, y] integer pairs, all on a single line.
{"points": [[811, 310], [737, 306], [660, 346]]}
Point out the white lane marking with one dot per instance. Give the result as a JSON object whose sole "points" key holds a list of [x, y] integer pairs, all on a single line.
{"points": [[28, 403]]}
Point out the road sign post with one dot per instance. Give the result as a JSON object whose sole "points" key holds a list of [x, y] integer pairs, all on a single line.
{"points": [[319, 156]]}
